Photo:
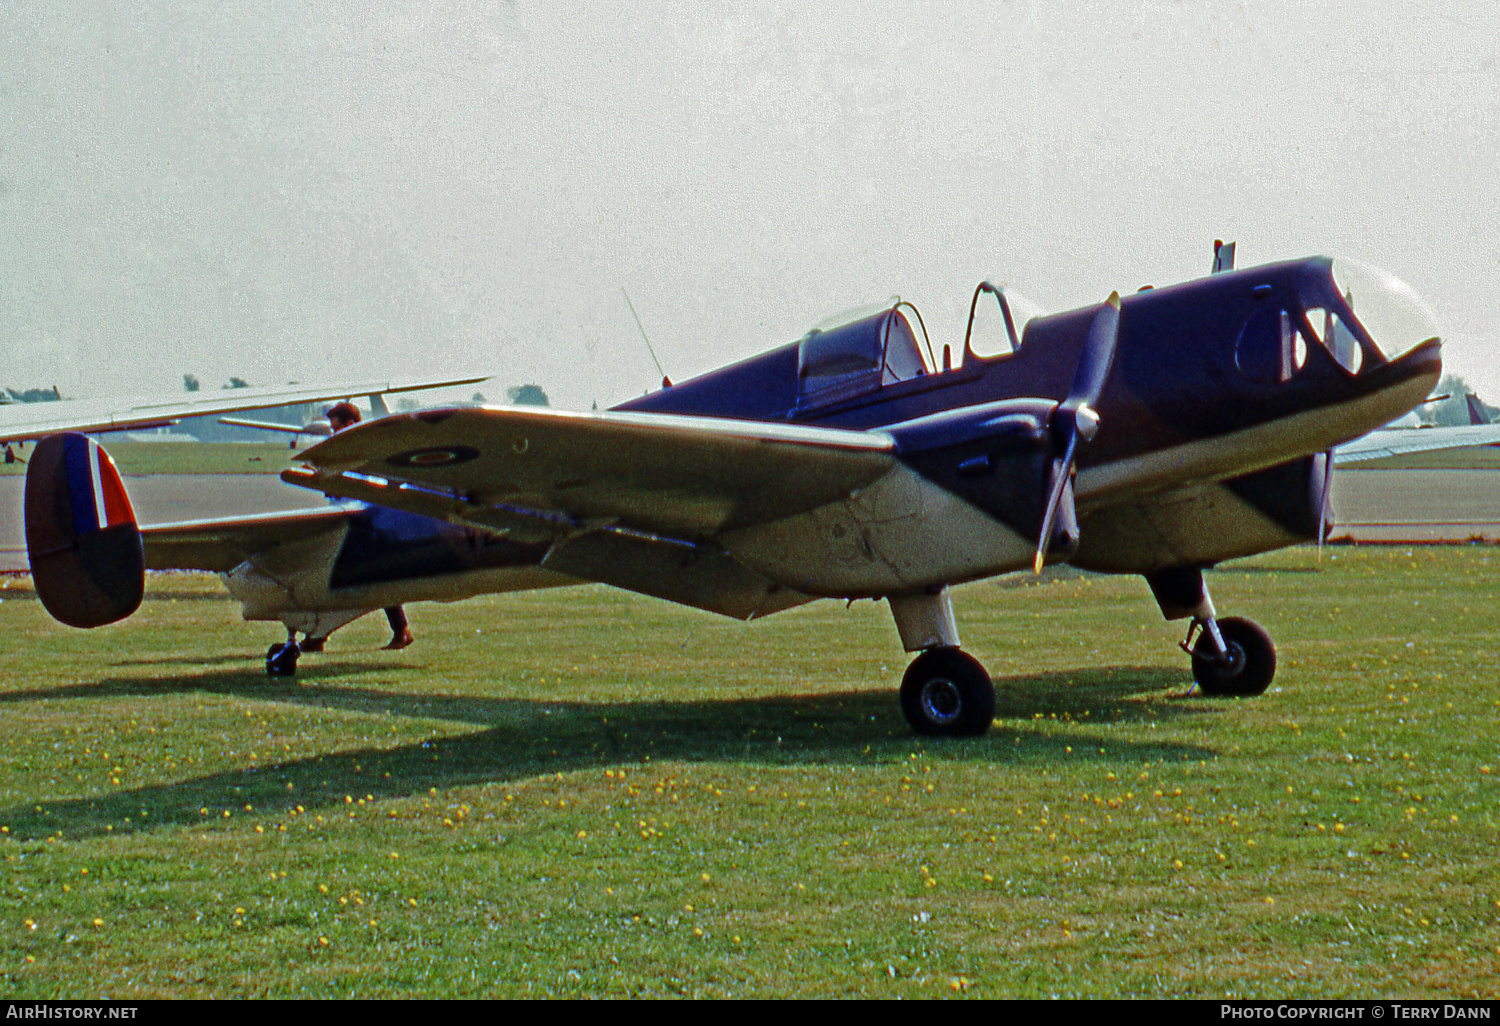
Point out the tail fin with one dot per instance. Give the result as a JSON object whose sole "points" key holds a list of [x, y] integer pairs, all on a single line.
{"points": [[1477, 413], [86, 556]]}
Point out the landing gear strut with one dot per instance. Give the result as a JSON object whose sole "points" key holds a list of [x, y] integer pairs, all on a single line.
{"points": [[281, 660], [1233, 656], [945, 692]]}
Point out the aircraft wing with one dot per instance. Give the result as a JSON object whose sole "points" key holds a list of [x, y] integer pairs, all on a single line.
{"points": [[222, 544], [1399, 441], [23, 421], [265, 425], [537, 473]]}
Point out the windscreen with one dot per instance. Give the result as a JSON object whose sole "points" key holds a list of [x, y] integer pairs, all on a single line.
{"points": [[997, 320], [1391, 314]]}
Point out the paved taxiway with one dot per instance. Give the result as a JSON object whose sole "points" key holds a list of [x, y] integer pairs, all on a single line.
{"points": [[165, 498], [1416, 505]]}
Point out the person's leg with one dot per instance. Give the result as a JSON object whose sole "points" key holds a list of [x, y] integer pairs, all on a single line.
{"points": [[400, 631]]}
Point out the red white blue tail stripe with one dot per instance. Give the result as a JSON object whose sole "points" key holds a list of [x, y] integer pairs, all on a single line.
{"points": [[98, 494]]}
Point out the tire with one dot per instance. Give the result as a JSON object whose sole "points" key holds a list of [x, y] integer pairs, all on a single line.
{"points": [[281, 660], [1251, 666], [947, 693]]}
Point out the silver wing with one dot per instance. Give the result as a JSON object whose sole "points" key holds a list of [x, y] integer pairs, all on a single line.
{"points": [[684, 508], [24, 421], [1400, 441]]}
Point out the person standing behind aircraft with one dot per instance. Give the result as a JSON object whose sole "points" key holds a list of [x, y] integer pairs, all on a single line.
{"points": [[339, 417]]}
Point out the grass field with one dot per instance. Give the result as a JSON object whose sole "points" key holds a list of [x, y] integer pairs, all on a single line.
{"points": [[588, 793]]}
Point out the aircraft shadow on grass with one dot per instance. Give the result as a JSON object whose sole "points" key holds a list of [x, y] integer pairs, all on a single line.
{"points": [[526, 737], [157, 595], [1278, 571], [223, 659]]}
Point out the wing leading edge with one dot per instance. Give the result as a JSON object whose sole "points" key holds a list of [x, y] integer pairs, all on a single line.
{"points": [[552, 474], [24, 421], [633, 500]]}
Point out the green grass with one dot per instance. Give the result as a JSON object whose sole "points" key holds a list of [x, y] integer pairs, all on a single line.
{"points": [[135, 458], [583, 792]]}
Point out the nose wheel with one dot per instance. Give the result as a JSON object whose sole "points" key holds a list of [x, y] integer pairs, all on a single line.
{"points": [[947, 693], [1233, 657]]}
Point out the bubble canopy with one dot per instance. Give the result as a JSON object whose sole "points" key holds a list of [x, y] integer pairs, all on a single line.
{"points": [[1387, 313]]}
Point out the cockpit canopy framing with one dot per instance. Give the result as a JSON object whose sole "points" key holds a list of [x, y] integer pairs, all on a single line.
{"points": [[859, 352]]}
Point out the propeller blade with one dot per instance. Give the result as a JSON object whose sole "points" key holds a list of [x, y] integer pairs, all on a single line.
{"points": [[1098, 355], [1059, 480], [1074, 417]]}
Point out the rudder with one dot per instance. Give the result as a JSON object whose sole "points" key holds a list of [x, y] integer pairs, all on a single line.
{"points": [[87, 560]]}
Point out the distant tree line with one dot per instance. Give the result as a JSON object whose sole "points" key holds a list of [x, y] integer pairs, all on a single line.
{"points": [[35, 395], [527, 395]]}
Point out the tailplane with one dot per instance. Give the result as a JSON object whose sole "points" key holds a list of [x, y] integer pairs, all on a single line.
{"points": [[87, 561]]}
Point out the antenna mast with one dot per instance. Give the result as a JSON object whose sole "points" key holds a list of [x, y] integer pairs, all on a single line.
{"points": [[643, 333]]}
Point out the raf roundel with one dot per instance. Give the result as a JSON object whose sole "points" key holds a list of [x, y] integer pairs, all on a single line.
{"points": [[445, 456]]}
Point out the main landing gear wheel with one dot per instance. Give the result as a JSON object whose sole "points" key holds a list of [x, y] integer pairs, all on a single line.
{"points": [[281, 660], [1249, 667], [947, 693]]}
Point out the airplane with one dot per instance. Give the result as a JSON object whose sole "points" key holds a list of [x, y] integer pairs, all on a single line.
{"points": [[319, 428], [322, 427], [1478, 411], [21, 422], [1157, 434], [1402, 441], [9, 397]]}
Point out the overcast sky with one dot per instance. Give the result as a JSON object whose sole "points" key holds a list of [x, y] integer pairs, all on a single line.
{"points": [[314, 191]]}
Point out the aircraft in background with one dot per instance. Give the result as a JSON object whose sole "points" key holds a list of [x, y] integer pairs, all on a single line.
{"points": [[20, 422], [9, 397], [320, 428], [1155, 434], [1401, 441], [1478, 414]]}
